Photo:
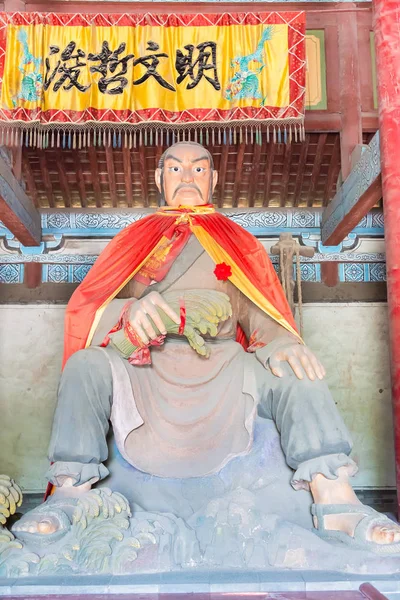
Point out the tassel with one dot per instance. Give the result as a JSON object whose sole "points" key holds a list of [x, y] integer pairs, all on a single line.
{"points": [[285, 136], [114, 139], [201, 136], [141, 138], [130, 139], [207, 137], [219, 136], [234, 136], [213, 136], [151, 137], [145, 137], [58, 139], [241, 135], [246, 133], [279, 135], [156, 139], [134, 139], [274, 135]]}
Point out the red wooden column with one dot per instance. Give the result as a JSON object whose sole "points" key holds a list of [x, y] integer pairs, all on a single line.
{"points": [[349, 85], [387, 43]]}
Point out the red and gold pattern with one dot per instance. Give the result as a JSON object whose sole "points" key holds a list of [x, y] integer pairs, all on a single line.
{"points": [[30, 100]]}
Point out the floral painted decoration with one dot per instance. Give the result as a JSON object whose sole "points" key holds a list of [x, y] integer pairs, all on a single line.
{"points": [[222, 271]]}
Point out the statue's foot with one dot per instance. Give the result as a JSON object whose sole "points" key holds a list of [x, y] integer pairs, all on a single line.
{"points": [[339, 515], [48, 522], [357, 526]]}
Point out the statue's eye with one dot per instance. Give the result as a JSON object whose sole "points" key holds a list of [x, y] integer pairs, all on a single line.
{"points": [[174, 169], [199, 169]]}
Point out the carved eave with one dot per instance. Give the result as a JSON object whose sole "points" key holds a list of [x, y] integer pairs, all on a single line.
{"points": [[359, 193], [17, 211]]}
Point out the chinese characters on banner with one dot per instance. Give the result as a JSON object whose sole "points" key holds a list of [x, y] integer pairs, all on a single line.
{"points": [[63, 72]]}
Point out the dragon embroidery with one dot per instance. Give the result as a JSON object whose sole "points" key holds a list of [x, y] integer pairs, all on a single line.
{"points": [[32, 80], [245, 83]]}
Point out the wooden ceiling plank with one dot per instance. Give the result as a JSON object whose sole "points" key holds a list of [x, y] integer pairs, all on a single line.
{"points": [[285, 174], [268, 173], [238, 174], [316, 167], [17, 211], [66, 192], [111, 175], [30, 180], [300, 171], [80, 179], [126, 156], [143, 175], [222, 174], [357, 195], [95, 176], [254, 174], [46, 178], [332, 171]]}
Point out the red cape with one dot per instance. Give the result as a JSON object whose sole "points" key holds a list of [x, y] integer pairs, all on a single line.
{"points": [[253, 272]]}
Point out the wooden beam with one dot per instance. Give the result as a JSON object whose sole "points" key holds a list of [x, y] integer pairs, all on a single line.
{"points": [[332, 171], [330, 273], [46, 178], [95, 176], [17, 211], [316, 168], [80, 179], [143, 175], [300, 171], [358, 194], [30, 180], [222, 174], [238, 174], [17, 162], [126, 156], [32, 275], [268, 173], [350, 91], [254, 173], [111, 174], [285, 174], [59, 157]]}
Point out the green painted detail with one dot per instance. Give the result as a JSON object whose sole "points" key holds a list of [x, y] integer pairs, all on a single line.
{"points": [[322, 104], [373, 66]]}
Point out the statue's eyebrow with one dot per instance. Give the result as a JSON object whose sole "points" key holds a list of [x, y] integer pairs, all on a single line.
{"points": [[174, 157], [204, 157]]}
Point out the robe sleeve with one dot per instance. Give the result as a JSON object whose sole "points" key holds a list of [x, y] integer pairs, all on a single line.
{"points": [[264, 334]]}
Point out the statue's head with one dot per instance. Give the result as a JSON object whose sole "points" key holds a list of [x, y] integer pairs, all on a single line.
{"points": [[185, 175]]}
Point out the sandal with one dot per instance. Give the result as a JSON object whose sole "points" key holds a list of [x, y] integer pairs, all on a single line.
{"points": [[359, 539]]}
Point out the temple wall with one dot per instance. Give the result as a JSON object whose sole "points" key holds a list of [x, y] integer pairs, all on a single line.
{"points": [[350, 338]]}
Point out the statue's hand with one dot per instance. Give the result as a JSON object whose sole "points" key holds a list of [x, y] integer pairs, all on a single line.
{"points": [[300, 358], [145, 308]]}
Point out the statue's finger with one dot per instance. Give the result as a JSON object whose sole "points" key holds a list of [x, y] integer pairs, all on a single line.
{"points": [[318, 368], [275, 368], [308, 367], [148, 327], [139, 331], [159, 301], [157, 320], [296, 367]]}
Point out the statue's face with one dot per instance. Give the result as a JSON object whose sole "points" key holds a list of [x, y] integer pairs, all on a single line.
{"points": [[186, 177]]}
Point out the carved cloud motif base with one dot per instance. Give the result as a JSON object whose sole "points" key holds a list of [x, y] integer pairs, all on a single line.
{"points": [[246, 518]]}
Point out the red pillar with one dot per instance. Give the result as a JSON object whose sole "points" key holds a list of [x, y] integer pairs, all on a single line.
{"points": [[387, 43]]}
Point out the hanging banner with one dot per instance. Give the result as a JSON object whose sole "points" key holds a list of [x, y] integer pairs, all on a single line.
{"points": [[95, 73]]}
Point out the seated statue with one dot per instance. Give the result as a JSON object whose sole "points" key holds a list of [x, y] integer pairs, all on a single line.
{"points": [[152, 345]]}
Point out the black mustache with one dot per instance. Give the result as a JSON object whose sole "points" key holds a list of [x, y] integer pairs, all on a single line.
{"points": [[187, 185]]}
